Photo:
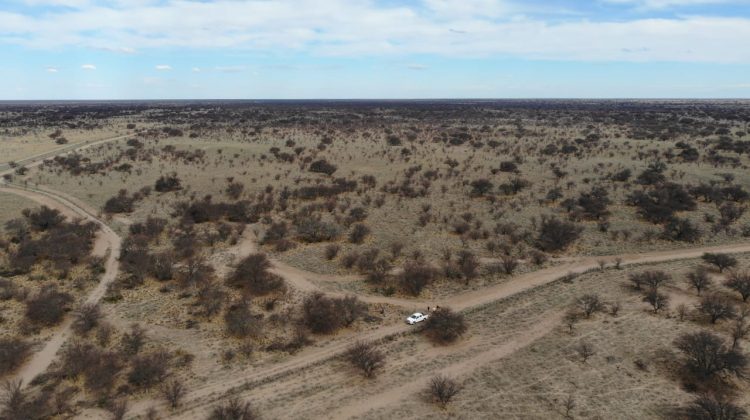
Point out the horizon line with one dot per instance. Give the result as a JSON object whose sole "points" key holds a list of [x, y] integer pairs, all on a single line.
{"points": [[354, 99]]}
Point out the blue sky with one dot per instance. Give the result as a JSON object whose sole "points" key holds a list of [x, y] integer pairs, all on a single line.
{"points": [[286, 49]]}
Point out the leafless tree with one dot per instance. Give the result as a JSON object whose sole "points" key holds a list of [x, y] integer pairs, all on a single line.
{"points": [[104, 333], [443, 389], [234, 409], [569, 404], [509, 263], [721, 261], [416, 276], [240, 321], [14, 400], [652, 279], [468, 264], [133, 341], [741, 328], [365, 357], [444, 325], [585, 350], [699, 280], [118, 408], [571, 319], [86, 318], [331, 251], [253, 276], [13, 351], [173, 392], [711, 408], [716, 307], [149, 369], [350, 309], [707, 355], [657, 300], [590, 304], [739, 281]]}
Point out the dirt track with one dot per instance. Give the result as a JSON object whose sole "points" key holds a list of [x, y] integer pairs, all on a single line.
{"points": [[106, 238], [200, 398], [36, 160], [300, 279], [394, 395]]}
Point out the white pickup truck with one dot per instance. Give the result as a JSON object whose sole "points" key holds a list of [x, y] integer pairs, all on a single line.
{"points": [[416, 317]]}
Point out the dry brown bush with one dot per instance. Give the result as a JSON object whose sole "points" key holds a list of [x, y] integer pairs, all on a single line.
{"points": [[174, 391], [253, 276], [444, 326], [365, 357], [87, 317], [739, 281], [13, 351], [48, 306], [323, 315], [416, 276], [443, 389], [149, 369], [706, 355], [234, 409]]}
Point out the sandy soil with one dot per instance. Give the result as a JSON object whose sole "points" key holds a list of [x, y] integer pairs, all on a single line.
{"points": [[199, 398], [300, 280], [516, 285], [395, 394], [107, 241]]}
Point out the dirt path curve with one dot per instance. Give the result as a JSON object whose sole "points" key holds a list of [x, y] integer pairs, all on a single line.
{"points": [[36, 160], [40, 361], [534, 279], [462, 368], [303, 280], [200, 398], [107, 239]]}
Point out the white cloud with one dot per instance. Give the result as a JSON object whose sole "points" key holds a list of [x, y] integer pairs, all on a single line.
{"points": [[230, 69], [52, 69], [163, 67], [88, 67], [664, 4], [121, 50], [452, 28], [469, 8], [417, 67], [67, 3], [196, 69]]}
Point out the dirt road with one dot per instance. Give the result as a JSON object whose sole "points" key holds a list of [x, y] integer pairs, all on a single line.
{"points": [[40, 361], [200, 398], [107, 243], [395, 394], [37, 160], [298, 278], [302, 280]]}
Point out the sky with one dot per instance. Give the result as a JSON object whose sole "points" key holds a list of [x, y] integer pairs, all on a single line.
{"points": [[341, 49]]}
